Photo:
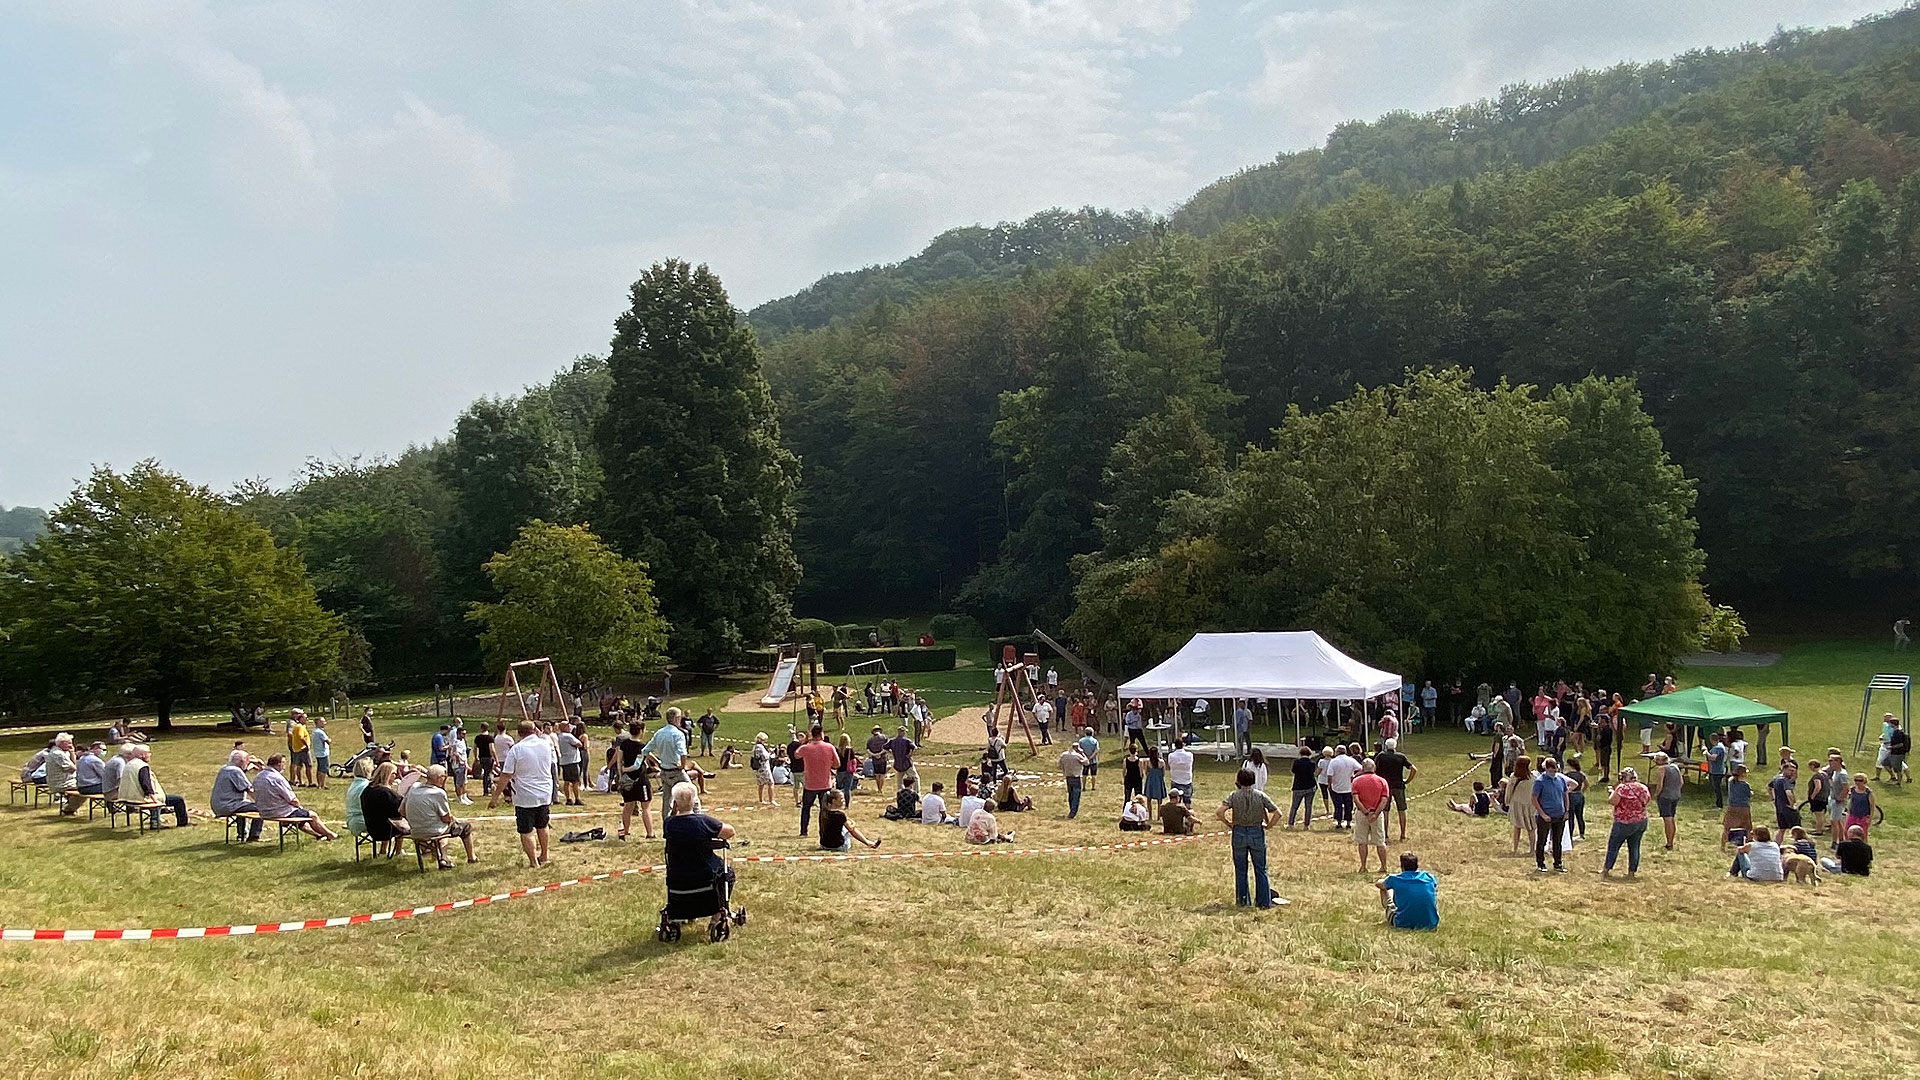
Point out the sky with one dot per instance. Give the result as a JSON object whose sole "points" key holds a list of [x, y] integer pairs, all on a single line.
{"points": [[240, 236]]}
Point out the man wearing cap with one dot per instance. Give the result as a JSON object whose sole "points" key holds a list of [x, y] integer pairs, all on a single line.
{"points": [[877, 748]]}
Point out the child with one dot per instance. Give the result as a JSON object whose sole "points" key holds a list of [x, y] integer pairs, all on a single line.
{"points": [[1737, 819], [1479, 805]]}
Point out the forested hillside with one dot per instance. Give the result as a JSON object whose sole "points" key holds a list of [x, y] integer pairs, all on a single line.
{"points": [[1652, 327]]}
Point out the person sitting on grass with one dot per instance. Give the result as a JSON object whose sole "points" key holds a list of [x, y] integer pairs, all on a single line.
{"points": [[140, 788], [233, 793], [1851, 856], [1479, 804], [906, 801], [274, 796], [1410, 896], [933, 808], [1759, 858], [1134, 816], [984, 828], [430, 817], [836, 832], [1011, 801], [1176, 817]]}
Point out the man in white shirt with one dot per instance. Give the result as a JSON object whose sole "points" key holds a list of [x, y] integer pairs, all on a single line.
{"points": [[1340, 773], [933, 808], [528, 767], [1180, 772], [969, 804], [570, 765], [1043, 715]]}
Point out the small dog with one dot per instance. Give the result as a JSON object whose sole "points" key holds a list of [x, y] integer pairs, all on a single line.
{"points": [[1800, 868]]}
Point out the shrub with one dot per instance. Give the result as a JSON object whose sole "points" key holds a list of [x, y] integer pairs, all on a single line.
{"points": [[949, 627], [909, 658], [894, 630], [853, 635], [817, 632], [1722, 630]]}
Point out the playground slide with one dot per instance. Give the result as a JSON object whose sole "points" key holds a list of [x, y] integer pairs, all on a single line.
{"points": [[782, 682]]}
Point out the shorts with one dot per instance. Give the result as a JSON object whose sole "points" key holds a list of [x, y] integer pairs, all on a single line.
{"points": [[570, 773], [301, 758], [876, 767], [1185, 791], [1737, 817], [1786, 819], [1668, 807], [638, 791], [1896, 762], [1093, 768], [1397, 798], [323, 764], [528, 818], [1865, 825], [1370, 831]]}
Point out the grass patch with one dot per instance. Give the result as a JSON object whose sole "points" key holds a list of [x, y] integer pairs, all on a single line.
{"points": [[1118, 965]]}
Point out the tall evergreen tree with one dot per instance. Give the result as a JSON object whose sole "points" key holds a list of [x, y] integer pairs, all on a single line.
{"points": [[697, 485]]}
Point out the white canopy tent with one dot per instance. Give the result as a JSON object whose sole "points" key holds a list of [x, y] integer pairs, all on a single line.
{"points": [[1276, 665]]}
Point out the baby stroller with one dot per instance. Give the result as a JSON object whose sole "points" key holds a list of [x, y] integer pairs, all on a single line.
{"points": [[709, 901], [342, 769]]}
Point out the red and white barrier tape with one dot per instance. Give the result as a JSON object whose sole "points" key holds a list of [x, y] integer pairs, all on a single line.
{"points": [[189, 932]]}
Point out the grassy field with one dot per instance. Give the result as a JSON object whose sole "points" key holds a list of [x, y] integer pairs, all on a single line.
{"points": [[1115, 964]]}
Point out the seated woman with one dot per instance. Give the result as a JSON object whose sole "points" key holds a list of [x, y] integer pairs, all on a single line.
{"points": [[984, 828], [1011, 801], [727, 758], [362, 776], [836, 832], [693, 842], [963, 784], [1133, 816], [1759, 858], [380, 807]]}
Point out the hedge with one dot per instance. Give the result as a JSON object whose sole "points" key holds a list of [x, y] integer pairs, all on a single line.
{"points": [[908, 658], [948, 627]]}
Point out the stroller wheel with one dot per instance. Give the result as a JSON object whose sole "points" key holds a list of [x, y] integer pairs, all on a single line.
{"points": [[716, 931], [674, 932], [740, 917], [661, 931]]}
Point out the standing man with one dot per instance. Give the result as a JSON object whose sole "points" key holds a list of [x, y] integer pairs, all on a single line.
{"points": [[1786, 810], [1136, 724], [483, 762], [902, 748], [669, 747], [1370, 794], [322, 751], [1549, 816], [366, 724], [1249, 813], [877, 746], [1072, 765], [1043, 715], [1668, 784], [437, 748], [528, 770], [1090, 749], [1429, 705], [1242, 727], [1340, 774], [710, 723], [820, 760], [1394, 767], [299, 748], [573, 765], [1900, 627], [1180, 771]]}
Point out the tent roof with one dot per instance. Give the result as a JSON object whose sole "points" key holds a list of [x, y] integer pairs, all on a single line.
{"points": [[1291, 664], [1703, 706]]}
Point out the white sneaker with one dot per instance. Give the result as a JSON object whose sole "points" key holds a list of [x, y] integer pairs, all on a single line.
{"points": [[464, 801]]}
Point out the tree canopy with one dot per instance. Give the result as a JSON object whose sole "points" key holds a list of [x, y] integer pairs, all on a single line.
{"points": [[697, 484], [565, 595], [150, 586]]}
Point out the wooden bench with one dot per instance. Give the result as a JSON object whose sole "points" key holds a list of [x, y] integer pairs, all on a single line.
{"points": [[136, 813], [27, 791], [237, 825], [361, 840]]}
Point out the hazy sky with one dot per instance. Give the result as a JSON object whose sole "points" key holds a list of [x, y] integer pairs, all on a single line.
{"points": [[238, 236]]}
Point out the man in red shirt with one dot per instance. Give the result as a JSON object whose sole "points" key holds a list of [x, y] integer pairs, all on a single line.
{"points": [[821, 761], [1370, 794]]}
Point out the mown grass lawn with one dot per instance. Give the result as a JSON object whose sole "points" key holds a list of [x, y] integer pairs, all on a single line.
{"points": [[1114, 964]]}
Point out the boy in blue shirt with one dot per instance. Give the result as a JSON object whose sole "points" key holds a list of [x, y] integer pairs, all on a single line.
{"points": [[1409, 896]]}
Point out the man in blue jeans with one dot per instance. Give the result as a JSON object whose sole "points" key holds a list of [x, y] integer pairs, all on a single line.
{"points": [[1249, 812], [1072, 764]]}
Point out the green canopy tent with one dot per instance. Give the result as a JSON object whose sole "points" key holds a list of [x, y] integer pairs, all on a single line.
{"points": [[1708, 709]]}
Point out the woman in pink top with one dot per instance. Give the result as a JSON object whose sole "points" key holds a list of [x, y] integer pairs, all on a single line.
{"points": [[1629, 798]]}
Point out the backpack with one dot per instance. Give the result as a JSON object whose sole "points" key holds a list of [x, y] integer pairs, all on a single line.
{"points": [[1900, 742]]}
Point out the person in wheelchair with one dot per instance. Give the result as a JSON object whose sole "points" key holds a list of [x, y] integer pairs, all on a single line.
{"points": [[699, 881]]}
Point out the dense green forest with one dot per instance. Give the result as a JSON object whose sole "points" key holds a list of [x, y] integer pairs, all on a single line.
{"points": [[1511, 380]]}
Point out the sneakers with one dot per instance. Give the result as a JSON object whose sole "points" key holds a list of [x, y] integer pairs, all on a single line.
{"points": [[464, 801]]}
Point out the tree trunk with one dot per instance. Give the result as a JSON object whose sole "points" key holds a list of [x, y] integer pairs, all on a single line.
{"points": [[163, 712]]}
